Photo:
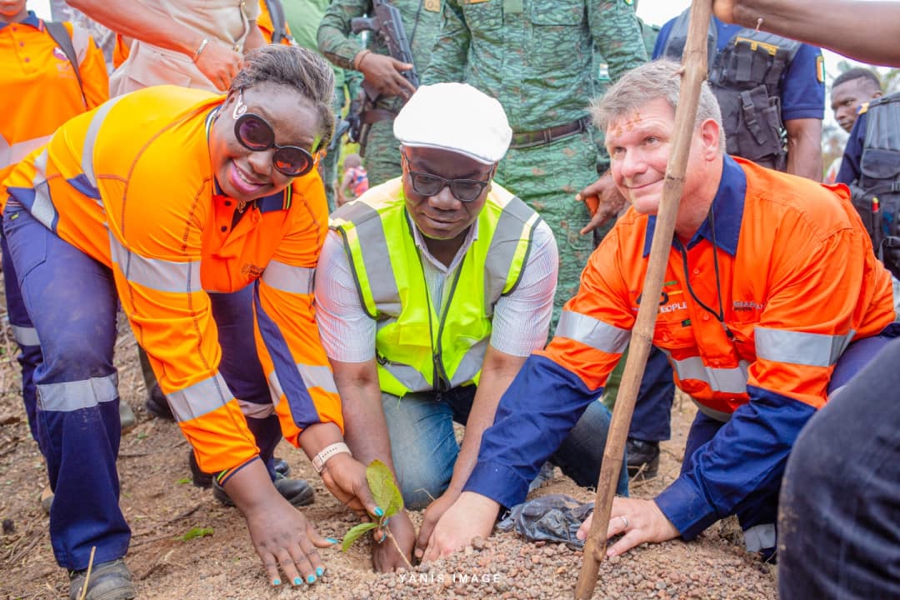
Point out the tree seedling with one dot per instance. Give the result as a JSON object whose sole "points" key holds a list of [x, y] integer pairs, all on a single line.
{"points": [[388, 497]]}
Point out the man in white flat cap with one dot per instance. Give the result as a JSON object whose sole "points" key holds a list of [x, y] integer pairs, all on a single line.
{"points": [[431, 291]]}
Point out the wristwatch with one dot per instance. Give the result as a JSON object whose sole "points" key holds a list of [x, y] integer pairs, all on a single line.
{"points": [[322, 457]]}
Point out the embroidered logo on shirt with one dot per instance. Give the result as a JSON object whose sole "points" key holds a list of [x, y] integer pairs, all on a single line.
{"points": [[251, 271]]}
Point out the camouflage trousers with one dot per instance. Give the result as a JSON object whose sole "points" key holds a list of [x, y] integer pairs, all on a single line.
{"points": [[547, 178], [328, 165], [382, 159]]}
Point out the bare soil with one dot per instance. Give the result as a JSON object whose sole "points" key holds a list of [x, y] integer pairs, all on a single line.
{"points": [[162, 507]]}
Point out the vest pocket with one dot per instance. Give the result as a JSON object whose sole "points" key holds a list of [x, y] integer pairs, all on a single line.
{"points": [[555, 41], [483, 16]]}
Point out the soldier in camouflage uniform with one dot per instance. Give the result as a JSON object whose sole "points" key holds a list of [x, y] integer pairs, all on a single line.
{"points": [[304, 17], [536, 58], [421, 20]]}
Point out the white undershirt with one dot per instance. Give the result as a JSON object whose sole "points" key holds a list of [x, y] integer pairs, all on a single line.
{"points": [[521, 318]]}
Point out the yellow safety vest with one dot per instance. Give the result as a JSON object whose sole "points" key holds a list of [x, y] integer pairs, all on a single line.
{"points": [[416, 348]]}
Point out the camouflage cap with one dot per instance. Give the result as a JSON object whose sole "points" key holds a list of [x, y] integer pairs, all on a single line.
{"points": [[455, 117]]}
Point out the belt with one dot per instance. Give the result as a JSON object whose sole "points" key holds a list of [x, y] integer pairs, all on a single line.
{"points": [[528, 139], [374, 115]]}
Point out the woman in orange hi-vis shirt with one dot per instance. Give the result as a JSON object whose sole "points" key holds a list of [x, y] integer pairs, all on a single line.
{"points": [[40, 92], [169, 200]]}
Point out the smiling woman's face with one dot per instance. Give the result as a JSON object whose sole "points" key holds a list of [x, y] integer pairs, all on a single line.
{"points": [[12, 11], [246, 175]]}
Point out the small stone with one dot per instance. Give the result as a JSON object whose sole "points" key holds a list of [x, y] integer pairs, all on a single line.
{"points": [[9, 526], [478, 542]]}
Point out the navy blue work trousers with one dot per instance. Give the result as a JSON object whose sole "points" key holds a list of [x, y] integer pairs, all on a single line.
{"points": [[72, 301]]}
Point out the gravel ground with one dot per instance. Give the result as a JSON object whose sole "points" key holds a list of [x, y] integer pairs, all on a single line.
{"points": [[162, 507]]}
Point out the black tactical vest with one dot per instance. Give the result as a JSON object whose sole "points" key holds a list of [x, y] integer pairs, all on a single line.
{"points": [[746, 79], [876, 194]]}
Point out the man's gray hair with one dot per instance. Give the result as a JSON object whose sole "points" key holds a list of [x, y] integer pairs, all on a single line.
{"points": [[649, 82]]}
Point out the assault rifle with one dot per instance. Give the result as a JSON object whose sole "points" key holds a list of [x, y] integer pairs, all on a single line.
{"points": [[386, 24]]}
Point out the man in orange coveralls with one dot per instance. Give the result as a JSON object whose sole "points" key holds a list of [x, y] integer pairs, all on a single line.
{"points": [[772, 298], [168, 201]]}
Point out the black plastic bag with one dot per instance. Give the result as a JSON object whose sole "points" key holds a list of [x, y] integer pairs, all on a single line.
{"points": [[551, 518]]}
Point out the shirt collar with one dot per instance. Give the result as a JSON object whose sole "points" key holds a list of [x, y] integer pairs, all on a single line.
{"points": [[31, 19], [728, 209]]}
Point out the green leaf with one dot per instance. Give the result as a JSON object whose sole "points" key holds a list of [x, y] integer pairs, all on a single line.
{"points": [[385, 491], [355, 533], [184, 480], [196, 532]]}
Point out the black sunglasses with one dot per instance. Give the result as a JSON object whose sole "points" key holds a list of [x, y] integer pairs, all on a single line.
{"points": [[464, 190], [255, 134]]}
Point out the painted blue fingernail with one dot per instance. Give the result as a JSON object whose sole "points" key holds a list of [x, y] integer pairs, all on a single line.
{"points": [[311, 579], [331, 540], [383, 537], [297, 581], [320, 571], [379, 512], [276, 582]]}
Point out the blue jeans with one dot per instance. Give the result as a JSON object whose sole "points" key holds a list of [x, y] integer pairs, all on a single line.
{"points": [[424, 446], [840, 499]]}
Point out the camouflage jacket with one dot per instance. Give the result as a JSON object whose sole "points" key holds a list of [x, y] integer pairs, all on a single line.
{"points": [[535, 56]]}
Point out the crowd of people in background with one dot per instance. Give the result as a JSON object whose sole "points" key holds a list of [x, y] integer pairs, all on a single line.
{"points": [[473, 252]]}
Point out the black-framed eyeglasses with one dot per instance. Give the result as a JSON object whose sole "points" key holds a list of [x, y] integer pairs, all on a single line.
{"points": [[427, 184], [255, 134]]}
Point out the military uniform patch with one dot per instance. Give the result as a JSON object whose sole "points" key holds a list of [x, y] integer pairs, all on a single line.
{"points": [[433, 5], [820, 69]]}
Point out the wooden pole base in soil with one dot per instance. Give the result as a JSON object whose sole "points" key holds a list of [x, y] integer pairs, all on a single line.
{"points": [[695, 71]]}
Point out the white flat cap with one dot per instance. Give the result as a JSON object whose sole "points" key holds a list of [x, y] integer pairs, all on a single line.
{"points": [[455, 117]]}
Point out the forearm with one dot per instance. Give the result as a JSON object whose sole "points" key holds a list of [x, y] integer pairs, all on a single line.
{"points": [[254, 39], [365, 428], [142, 23], [857, 29], [804, 149], [316, 438], [490, 389]]}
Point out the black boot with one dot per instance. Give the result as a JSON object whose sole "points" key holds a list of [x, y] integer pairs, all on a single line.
{"points": [[109, 581], [296, 491], [642, 458]]}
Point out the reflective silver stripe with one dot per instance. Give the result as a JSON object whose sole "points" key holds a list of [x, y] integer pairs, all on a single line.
{"points": [[256, 411], [275, 388], [408, 376], [727, 381], [317, 376], [313, 376], [10, 155], [199, 399], [75, 395], [87, 151], [470, 365], [759, 537], [593, 332], [42, 209], [718, 415], [25, 336], [799, 348], [155, 273], [295, 280], [516, 221], [376, 259]]}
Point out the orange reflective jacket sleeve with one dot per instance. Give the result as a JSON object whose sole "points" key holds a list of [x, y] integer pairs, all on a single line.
{"points": [[290, 349]]}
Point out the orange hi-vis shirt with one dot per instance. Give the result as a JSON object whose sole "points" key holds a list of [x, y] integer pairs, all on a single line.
{"points": [[131, 185], [798, 281], [40, 90]]}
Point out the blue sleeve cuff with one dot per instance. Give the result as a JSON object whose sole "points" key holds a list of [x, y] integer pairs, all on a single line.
{"points": [[498, 482], [687, 508]]}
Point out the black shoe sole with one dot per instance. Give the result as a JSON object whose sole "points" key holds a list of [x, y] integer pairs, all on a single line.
{"points": [[647, 470]]}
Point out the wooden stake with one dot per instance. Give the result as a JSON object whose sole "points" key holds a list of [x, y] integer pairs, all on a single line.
{"points": [[694, 60]]}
